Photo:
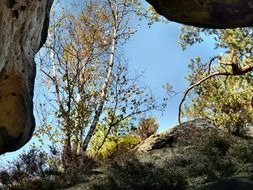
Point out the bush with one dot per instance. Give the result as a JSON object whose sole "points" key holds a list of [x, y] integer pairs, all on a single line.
{"points": [[218, 157], [134, 175], [117, 146], [37, 170], [147, 127]]}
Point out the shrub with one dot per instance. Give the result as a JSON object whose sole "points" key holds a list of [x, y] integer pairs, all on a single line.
{"points": [[37, 170], [134, 175], [218, 157], [147, 127], [117, 146]]}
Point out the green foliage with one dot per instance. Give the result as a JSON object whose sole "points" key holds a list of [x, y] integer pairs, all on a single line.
{"points": [[134, 175], [114, 146], [217, 157], [240, 38], [224, 99], [85, 75]]}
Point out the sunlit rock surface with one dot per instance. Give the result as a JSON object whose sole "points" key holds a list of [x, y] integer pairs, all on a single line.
{"points": [[207, 13], [182, 133], [23, 25]]}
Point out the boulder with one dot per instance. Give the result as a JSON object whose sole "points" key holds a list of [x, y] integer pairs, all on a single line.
{"points": [[23, 25], [184, 133], [207, 13]]}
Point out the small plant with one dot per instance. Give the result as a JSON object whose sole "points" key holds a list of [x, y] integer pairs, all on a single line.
{"points": [[118, 146], [147, 127]]}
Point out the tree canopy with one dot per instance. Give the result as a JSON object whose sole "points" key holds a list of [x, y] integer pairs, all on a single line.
{"points": [[222, 86]]}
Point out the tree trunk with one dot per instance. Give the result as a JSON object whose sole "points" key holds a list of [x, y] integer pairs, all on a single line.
{"points": [[103, 93]]}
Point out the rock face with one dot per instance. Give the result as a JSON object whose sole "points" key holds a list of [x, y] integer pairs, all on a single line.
{"points": [[23, 25], [207, 13]]}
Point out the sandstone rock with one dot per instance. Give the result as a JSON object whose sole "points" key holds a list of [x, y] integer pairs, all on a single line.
{"points": [[159, 149], [23, 25], [183, 133], [207, 13], [180, 149]]}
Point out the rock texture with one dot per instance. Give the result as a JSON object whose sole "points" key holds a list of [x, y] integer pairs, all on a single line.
{"points": [[207, 13], [183, 133], [180, 148], [23, 25]]}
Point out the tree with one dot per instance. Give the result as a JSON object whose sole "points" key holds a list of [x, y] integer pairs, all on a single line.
{"points": [[222, 87], [227, 102], [86, 76]]}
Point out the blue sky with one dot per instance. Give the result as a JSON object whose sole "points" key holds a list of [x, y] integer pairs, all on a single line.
{"points": [[156, 51]]}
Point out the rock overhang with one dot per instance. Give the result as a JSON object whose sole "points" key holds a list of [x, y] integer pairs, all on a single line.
{"points": [[24, 25], [214, 14]]}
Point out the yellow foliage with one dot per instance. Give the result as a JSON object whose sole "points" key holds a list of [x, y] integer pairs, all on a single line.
{"points": [[115, 146]]}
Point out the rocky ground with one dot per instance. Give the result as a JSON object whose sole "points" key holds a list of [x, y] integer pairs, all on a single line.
{"points": [[196, 153]]}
